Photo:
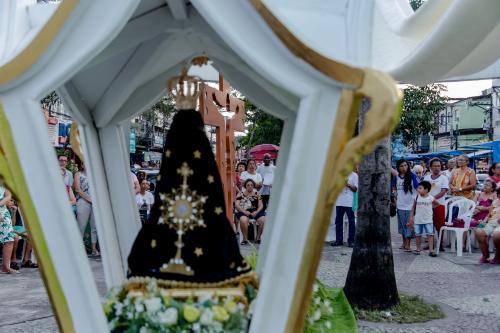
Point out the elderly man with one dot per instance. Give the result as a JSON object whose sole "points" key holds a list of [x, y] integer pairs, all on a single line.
{"points": [[452, 163]]}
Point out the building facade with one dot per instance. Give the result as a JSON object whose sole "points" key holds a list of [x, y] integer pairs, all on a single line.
{"points": [[465, 122]]}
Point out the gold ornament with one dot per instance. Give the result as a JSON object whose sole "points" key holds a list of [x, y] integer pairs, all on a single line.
{"points": [[185, 89], [218, 210], [181, 210], [210, 179], [197, 154]]}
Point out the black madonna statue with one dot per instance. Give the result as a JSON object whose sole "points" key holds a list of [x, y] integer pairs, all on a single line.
{"points": [[186, 256]]}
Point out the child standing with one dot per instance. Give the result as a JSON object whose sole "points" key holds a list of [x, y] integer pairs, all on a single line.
{"points": [[421, 216]]}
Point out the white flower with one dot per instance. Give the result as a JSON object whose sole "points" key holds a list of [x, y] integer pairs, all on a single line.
{"points": [[329, 310], [316, 315], [143, 330], [118, 309], [328, 324], [317, 301], [130, 315], [139, 307], [196, 327], [327, 303], [315, 288], [218, 326], [168, 317], [153, 304], [206, 317]]}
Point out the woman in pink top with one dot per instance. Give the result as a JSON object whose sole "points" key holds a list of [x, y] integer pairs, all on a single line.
{"points": [[494, 173], [483, 202]]}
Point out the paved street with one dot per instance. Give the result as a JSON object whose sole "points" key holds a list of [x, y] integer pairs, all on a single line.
{"points": [[469, 293]]}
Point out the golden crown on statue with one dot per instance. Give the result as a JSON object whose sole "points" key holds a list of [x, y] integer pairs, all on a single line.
{"points": [[185, 89]]}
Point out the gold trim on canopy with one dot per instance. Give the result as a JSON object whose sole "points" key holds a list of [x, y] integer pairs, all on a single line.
{"points": [[338, 71], [11, 174], [23, 61]]}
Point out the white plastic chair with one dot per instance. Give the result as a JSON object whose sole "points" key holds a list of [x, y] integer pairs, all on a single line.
{"points": [[465, 211]]}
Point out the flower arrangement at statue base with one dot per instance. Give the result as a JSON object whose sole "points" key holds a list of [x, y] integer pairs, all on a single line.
{"points": [[153, 308]]}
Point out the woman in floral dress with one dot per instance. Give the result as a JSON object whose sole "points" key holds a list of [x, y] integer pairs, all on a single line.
{"points": [[6, 231]]}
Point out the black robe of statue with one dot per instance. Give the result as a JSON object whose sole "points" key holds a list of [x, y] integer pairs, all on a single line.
{"points": [[212, 251]]}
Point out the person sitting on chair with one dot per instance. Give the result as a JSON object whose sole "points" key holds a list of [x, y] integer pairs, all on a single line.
{"points": [[249, 206], [490, 227]]}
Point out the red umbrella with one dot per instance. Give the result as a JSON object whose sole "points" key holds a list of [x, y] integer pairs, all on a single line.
{"points": [[258, 152]]}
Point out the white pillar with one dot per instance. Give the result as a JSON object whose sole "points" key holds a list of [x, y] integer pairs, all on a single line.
{"points": [[115, 153], [113, 265], [47, 190], [293, 210]]}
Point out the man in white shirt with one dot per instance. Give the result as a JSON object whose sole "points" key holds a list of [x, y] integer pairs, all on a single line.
{"points": [[144, 200], [344, 206], [67, 175], [266, 171]]}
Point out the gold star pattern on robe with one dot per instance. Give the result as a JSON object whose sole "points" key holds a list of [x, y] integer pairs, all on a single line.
{"points": [[218, 210], [197, 154], [153, 243], [167, 153], [198, 251], [210, 179]]}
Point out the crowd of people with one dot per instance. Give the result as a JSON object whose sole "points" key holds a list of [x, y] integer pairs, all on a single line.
{"points": [[420, 196]]}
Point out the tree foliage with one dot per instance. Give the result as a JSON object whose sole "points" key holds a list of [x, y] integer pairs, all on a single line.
{"points": [[421, 106], [261, 127]]}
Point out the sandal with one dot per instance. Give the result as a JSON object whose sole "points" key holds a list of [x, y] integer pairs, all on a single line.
{"points": [[407, 250], [14, 265], [244, 242], [495, 261], [416, 252], [432, 254], [12, 271], [29, 264]]}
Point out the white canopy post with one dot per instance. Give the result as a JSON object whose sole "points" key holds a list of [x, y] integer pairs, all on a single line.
{"points": [[57, 221]]}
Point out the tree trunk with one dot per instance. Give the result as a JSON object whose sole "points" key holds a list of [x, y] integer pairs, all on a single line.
{"points": [[371, 283]]}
